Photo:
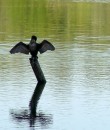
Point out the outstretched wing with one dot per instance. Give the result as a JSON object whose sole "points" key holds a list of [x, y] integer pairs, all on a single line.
{"points": [[45, 45], [20, 48]]}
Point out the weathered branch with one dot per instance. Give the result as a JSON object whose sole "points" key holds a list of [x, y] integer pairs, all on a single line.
{"points": [[37, 70]]}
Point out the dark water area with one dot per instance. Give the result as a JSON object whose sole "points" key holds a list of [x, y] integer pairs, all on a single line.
{"points": [[77, 92]]}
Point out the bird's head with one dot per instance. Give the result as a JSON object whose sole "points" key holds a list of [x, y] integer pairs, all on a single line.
{"points": [[33, 38]]}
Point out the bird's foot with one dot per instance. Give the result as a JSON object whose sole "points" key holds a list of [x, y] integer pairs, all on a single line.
{"points": [[33, 59]]}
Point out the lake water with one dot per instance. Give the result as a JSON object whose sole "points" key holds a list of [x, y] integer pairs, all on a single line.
{"points": [[77, 93]]}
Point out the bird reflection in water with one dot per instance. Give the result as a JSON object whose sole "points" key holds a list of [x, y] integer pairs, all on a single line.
{"points": [[31, 115]]}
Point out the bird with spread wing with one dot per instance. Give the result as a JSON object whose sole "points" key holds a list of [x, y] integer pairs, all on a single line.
{"points": [[33, 48]]}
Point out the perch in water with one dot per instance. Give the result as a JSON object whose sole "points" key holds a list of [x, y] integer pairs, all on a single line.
{"points": [[33, 47]]}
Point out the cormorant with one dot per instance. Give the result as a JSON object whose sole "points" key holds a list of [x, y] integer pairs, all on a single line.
{"points": [[32, 47]]}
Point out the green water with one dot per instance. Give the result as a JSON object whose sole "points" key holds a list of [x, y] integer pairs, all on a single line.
{"points": [[59, 20]]}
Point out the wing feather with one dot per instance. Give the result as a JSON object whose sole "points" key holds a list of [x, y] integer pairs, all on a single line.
{"points": [[20, 48], [45, 45]]}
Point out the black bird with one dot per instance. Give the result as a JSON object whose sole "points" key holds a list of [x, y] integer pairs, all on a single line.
{"points": [[32, 47]]}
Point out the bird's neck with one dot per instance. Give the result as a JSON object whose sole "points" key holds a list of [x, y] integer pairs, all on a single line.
{"points": [[32, 41]]}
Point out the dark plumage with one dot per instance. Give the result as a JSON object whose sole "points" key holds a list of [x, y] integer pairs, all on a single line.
{"points": [[32, 47]]}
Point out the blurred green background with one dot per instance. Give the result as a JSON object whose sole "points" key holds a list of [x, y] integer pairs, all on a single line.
{"points": [[56, 19]]}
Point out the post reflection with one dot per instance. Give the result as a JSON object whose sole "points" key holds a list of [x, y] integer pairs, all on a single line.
{"points": [[35, 98], [31, 116]]}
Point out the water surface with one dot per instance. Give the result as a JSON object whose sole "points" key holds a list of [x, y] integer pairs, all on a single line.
{"points": [[77, 92]]}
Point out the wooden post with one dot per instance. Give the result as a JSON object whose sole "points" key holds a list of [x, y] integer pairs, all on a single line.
{"points": [[39, 88], [37, 70]]}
